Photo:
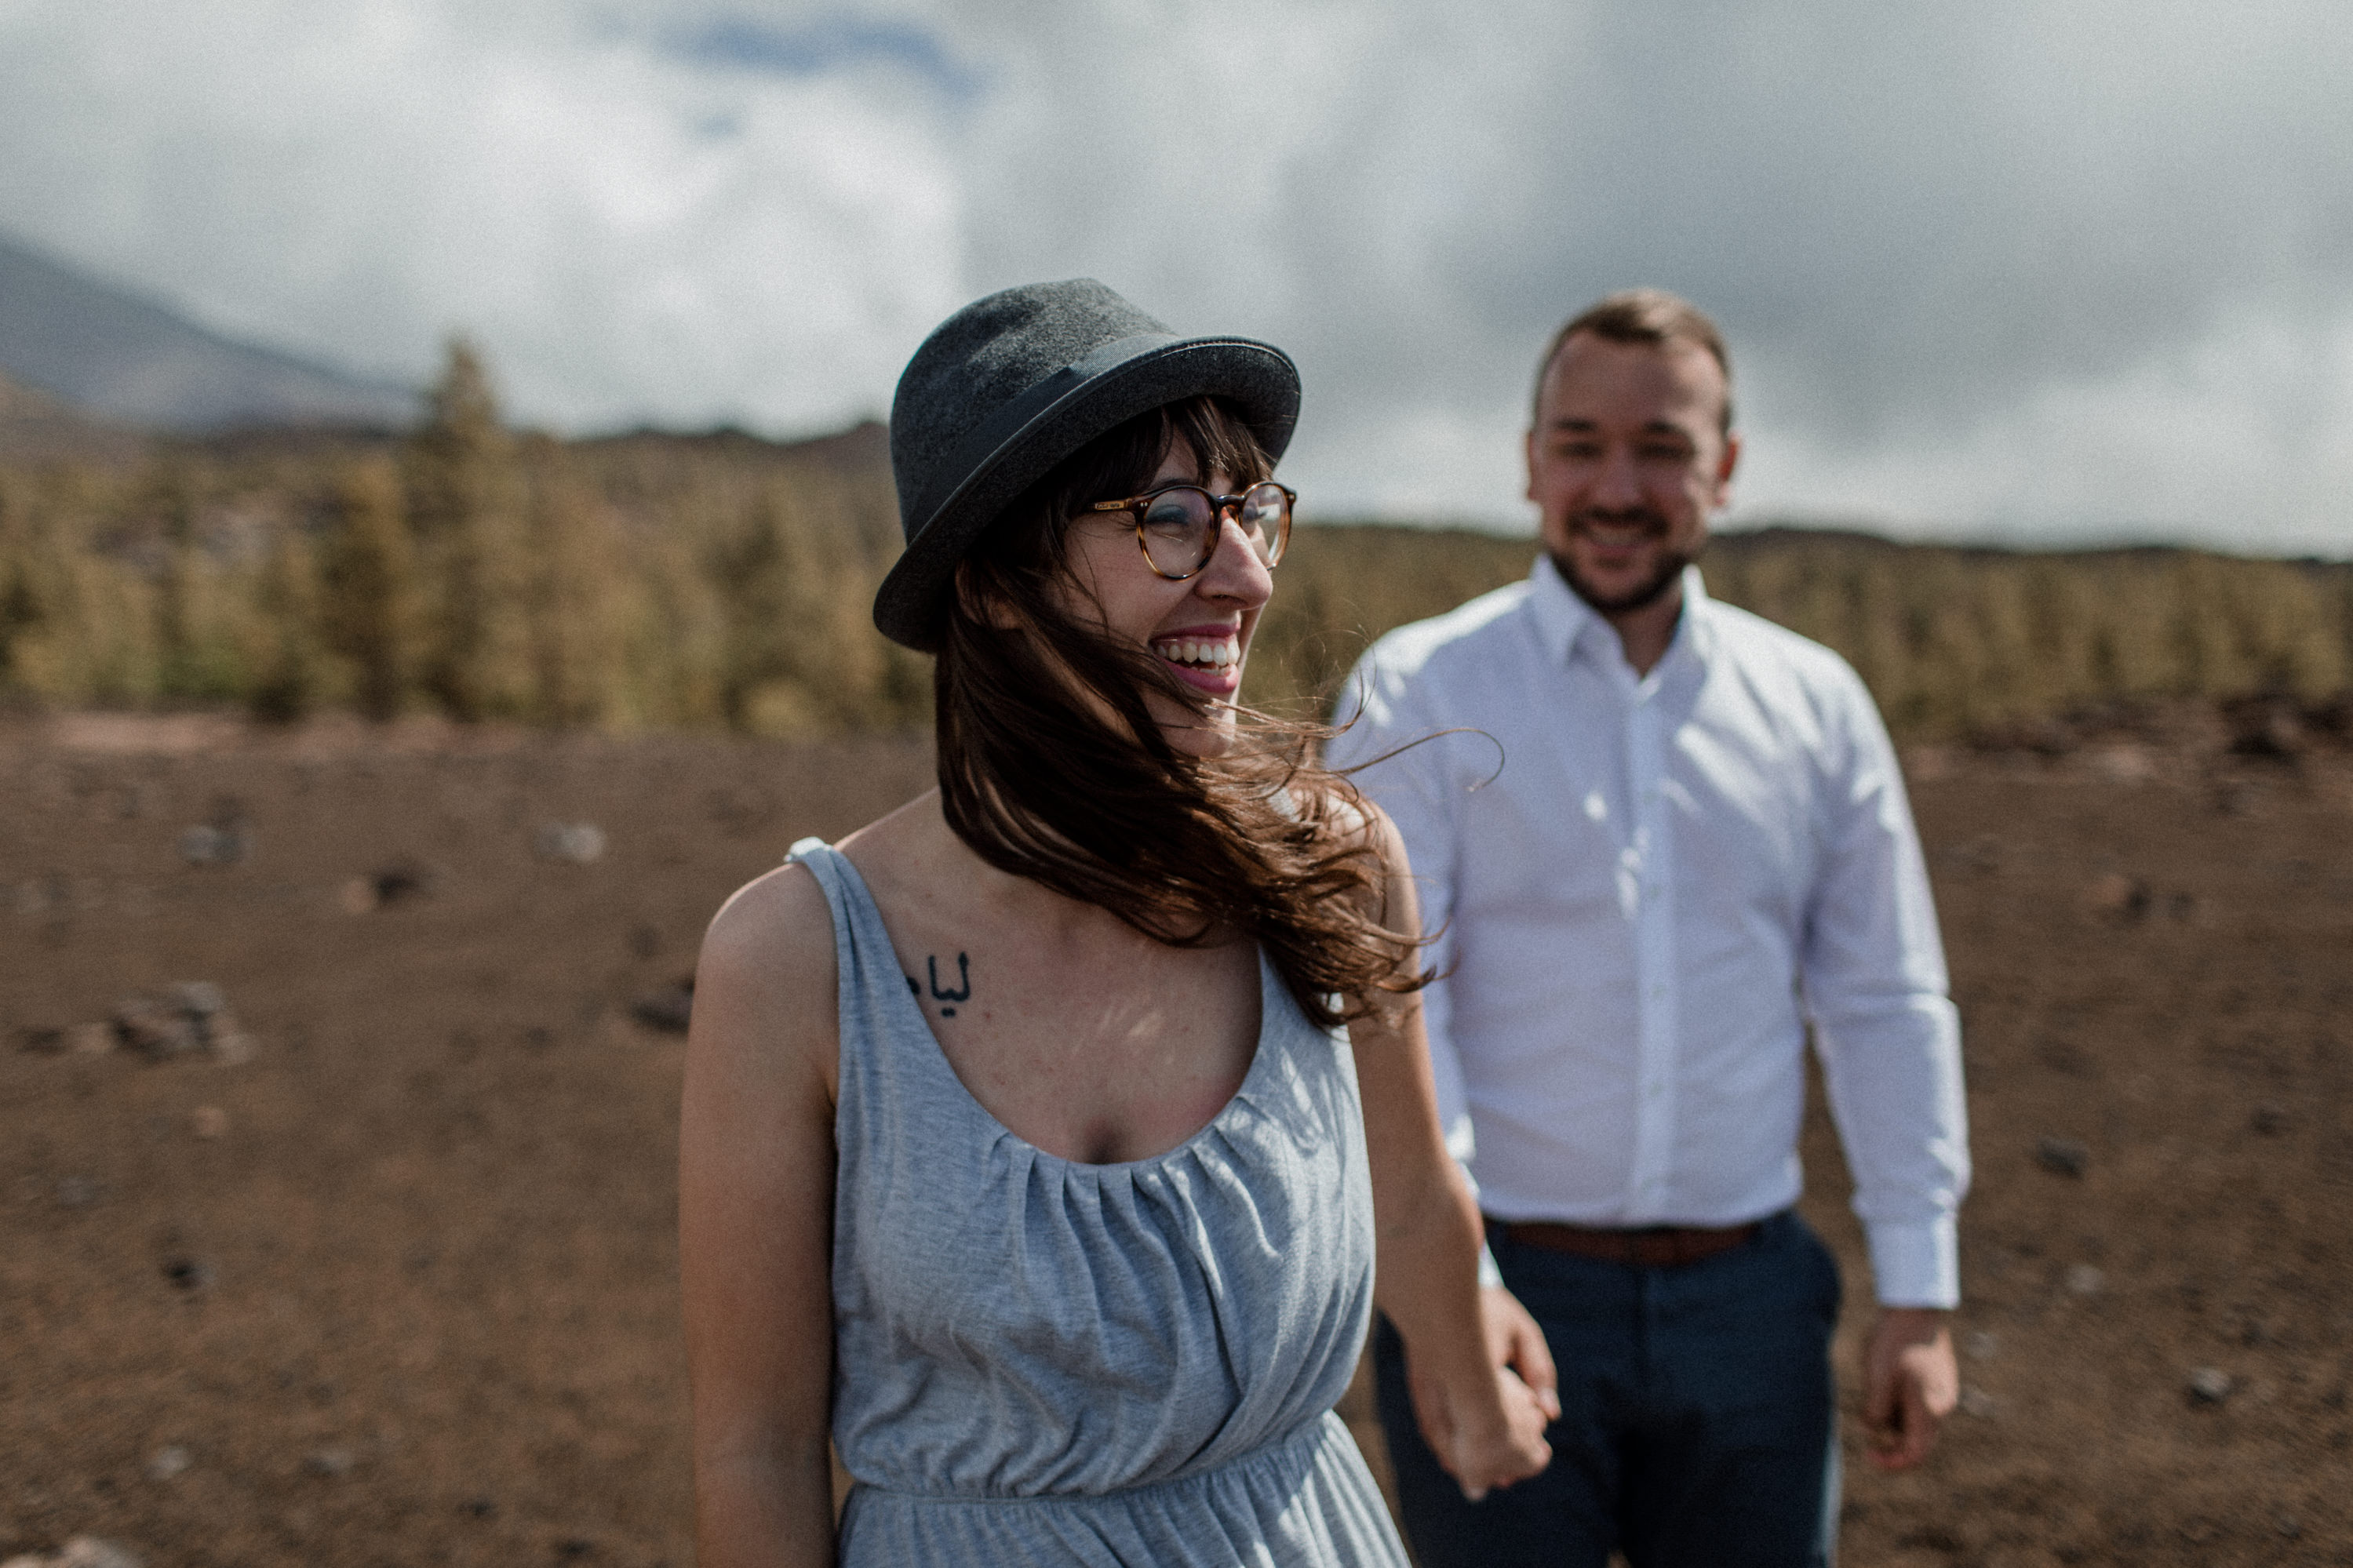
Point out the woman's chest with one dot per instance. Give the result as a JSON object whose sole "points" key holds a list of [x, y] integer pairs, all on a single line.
{"points": [[1098, 1049]]}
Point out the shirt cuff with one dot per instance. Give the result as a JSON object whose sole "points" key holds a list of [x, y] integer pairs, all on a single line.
{"points": [[1916, 1263], [1489, 1275]]}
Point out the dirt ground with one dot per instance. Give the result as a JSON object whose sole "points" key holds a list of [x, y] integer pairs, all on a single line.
{"points": [[397, 1287]]}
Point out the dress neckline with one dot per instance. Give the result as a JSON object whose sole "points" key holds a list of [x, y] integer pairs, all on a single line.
{"points": [[1271, 994]]}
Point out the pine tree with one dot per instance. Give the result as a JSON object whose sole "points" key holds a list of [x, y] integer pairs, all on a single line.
{"points": [[465, 505], [574, 615], [369, 611], [290, 662]]}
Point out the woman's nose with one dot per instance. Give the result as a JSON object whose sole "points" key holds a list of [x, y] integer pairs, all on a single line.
{"points": [[1234, 569]]}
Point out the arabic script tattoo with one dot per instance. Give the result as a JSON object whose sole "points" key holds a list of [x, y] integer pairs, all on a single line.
{"points": [[941, 994]]}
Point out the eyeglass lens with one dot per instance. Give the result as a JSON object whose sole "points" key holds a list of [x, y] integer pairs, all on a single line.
{"points": [[1180, 526]]}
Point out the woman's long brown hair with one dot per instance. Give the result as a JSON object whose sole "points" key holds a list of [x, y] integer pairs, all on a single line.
{"points": [[1090, 799]]}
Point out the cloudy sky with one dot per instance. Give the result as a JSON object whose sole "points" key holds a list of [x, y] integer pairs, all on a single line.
{"points": [[2021, 270]]}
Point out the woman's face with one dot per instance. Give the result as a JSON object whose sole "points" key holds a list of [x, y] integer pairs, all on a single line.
{"points": [[1200, 628]]}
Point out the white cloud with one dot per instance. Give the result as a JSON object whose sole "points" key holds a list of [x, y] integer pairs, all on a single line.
{"points": [[2052, 268], [629, 235]]}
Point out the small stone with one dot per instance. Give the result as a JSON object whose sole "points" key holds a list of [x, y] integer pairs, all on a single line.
{"points": [[189, 1274], [206, 845], [90, 1551], [2125, 764], [2285, 1524], [197, 998], [2083, 1279], [405, 879], [76, 1192], [480, 1508], [231, 1047], [208, 1121], [167, 1463], [330, 1463], [90, 1039], [1976, 1401], [384, 887], [2062, 1157], [579, 843], [669, 1009], [2269, 1121], [2210, 1385], [2117, 897], [155, 1029], [1980, 1346]]}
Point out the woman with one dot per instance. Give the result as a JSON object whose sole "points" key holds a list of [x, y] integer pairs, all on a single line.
{"points": [[1020, 1152]]}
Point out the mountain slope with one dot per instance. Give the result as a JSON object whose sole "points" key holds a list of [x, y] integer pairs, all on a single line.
{"points": [[114, 354]]}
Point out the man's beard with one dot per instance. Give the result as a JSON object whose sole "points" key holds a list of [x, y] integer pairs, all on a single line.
{"points": [[1649, 592]]}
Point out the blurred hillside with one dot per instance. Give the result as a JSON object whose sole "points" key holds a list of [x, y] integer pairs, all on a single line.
{"points": [[651, 581], [111, 353]]}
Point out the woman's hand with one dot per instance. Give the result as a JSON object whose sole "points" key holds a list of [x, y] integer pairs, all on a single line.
{"points": [[1489, 1432], [1513, 1340]]}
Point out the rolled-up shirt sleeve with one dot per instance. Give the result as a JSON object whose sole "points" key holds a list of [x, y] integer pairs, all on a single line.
{"points": [[1873, 979]]}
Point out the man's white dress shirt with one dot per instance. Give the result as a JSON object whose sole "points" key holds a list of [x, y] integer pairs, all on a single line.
{"points": [[1648, 886]]}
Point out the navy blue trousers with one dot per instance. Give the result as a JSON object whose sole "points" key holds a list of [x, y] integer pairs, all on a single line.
{"points": [[1698, 1416]]}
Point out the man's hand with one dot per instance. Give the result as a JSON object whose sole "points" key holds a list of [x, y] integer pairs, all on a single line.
{"points": [[1463, 1432], [1910, 1385]]}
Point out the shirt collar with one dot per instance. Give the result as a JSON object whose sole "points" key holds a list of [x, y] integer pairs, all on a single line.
{"points": [[1567, 625]]}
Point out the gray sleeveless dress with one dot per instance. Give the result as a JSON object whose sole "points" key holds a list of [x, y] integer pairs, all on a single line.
{"points": [[1042, 1361]]}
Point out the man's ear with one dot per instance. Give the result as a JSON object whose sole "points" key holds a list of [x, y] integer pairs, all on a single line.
{"points": [[1724, 467], [983, 605]]}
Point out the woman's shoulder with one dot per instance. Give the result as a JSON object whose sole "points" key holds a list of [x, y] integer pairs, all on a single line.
{"points": [[780, 915], [765, 982]]}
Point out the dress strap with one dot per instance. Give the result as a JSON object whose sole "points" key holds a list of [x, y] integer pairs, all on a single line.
{"points": [[870, 996]]}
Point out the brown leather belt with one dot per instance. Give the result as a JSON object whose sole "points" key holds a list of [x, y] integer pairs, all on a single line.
{"points": [[1652, 1247]]}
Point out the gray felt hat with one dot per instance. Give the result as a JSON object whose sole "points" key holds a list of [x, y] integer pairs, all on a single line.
{"points": [[1010, 385]]}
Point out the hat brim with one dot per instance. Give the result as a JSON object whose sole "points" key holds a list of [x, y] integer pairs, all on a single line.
{"points": [[1257, 378]]}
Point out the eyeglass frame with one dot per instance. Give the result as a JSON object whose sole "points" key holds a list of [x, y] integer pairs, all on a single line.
{"points": [[1218, 506]]}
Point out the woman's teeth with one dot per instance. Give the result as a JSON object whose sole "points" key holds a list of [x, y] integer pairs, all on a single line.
{"points": [[1216, 654]]}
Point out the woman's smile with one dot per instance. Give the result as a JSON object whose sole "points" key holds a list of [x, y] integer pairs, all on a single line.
{"points": [[1207, 659]]}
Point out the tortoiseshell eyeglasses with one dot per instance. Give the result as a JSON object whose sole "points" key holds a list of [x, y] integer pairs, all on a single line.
{"points": [[1178, 525]]}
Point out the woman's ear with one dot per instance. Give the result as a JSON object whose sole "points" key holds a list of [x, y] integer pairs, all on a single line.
{"points": [[982, 603]]}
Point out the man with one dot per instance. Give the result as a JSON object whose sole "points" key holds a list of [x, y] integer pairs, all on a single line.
{"points": [[1660, 837]]}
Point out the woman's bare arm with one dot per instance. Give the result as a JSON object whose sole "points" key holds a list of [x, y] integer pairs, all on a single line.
{"points": [[755, 1216], [1484, 1424]]}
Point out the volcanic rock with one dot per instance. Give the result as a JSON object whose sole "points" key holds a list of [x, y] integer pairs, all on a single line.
{"points": [[669, 1009], [576, 843], [2062, 1157]]}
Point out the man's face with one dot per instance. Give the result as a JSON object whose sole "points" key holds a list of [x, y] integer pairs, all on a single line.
{"points": [[1626, 461]]}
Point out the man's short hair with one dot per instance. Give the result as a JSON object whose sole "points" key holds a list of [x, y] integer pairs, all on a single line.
{"points": [[1650, 316]]}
